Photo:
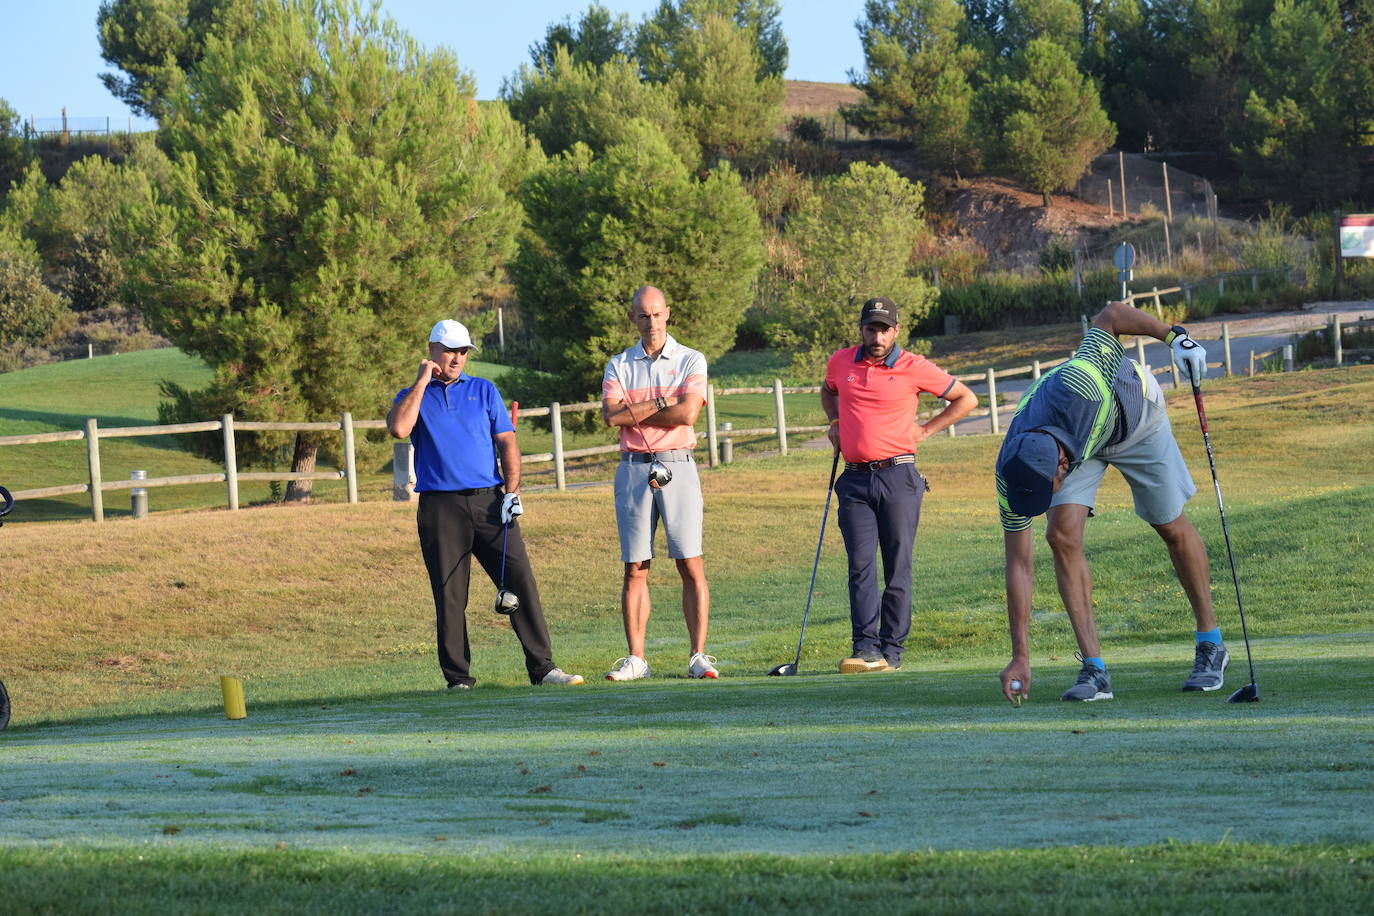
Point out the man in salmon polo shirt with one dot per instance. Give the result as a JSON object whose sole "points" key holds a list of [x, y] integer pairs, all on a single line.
{"points": [[653, 392], [871, 394]]}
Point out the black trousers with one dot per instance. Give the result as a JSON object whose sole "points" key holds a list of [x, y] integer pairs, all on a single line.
{"points": [[455, 527]]}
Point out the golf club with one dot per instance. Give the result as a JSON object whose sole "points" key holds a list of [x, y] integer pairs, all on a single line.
{"points": [[6, 504], [789, 668], [507, 602], [1250, 692]]}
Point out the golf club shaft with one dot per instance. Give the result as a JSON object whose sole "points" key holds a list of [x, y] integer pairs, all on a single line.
{"points": [[829, 489], [505, 533], [1225, 529]]}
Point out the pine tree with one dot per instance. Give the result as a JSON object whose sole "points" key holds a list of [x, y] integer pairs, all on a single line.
{"points": [[851, 241], [1043, 120], [568, 101], [600, 227], [334, 190]]}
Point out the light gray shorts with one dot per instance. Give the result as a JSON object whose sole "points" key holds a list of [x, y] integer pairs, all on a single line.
{"points": [[639, 507], [1150, 461]]}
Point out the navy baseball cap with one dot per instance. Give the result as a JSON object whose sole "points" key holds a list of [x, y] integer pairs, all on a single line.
{"points": [[1027, 464]]}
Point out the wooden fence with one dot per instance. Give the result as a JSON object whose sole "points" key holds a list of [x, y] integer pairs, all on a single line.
{"points": [[719, 440]]}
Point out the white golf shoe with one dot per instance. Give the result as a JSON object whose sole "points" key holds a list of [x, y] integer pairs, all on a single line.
{"points": [[629, 668], [703, 665]]}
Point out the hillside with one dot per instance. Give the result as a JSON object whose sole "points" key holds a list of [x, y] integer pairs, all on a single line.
{"points": [[1008, 222]]}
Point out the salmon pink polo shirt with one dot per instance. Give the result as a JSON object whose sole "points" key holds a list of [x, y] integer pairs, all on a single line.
{"points": [[632, 375], [878, 400]]}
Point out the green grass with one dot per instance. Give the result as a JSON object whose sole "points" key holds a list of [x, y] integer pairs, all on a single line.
{"points": [[357, 785]]}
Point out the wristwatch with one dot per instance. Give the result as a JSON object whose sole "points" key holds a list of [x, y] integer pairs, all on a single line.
{"points": [[660, 402]]}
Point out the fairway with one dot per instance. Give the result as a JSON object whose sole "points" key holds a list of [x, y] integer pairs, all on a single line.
{"points": [[355, 784]]}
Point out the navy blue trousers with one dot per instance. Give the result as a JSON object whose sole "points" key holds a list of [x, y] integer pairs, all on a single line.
{"points": [[879, 512]]}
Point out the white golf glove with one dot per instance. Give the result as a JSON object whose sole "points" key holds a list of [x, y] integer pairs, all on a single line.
{"points": [[511, 508], [1189, 355]]}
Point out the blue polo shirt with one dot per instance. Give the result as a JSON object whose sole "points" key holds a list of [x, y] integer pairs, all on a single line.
{"points": [[455, 448]]}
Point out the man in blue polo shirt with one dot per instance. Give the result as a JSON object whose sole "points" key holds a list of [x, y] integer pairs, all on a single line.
{"points": [[467, 472], [1100, 409]]}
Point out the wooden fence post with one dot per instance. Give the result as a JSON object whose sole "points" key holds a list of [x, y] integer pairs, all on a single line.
{"points": [[556, 424], [402, 476], [1226, 346], [93, 465], [1140, 349], [231, 462], [350, 462], [1035, 369], [992, 401], [782, 417], [712, 437]]}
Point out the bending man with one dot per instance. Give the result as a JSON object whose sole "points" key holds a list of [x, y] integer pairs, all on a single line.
{"points": [[1098, 409]]}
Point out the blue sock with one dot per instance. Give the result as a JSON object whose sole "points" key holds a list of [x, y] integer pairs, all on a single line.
{"points": [[1096, 663], [1212, 636]]}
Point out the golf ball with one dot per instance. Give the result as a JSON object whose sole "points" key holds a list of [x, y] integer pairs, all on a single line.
{"points": [[1015, 685]]}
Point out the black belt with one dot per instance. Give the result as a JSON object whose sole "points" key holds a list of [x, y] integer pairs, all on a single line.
{"points": [[474, 491], [879, 465], [675, 454]]}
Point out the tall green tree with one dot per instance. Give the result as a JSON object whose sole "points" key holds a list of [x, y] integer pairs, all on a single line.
{"points": [[1295, 143], [731, 108], [155, 42], [599, 227], [334, 190], [663, 31], [1043, 120], [30, 312], [851, 241], [917, 78], [567, 101], [14, 158], [598, 37]]}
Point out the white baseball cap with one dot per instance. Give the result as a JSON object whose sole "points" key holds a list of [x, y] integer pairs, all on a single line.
{"points": [[452, 334]]}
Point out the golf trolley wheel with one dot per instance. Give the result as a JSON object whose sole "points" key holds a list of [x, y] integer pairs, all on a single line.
{"points": [[4, 707]]}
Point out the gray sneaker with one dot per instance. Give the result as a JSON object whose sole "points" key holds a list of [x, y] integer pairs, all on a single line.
{"points": [[1092, 685], [1209, 664]]}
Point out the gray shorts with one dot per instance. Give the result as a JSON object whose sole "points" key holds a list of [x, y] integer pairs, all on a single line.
{"points": [[1150, 461], [639, 507]]}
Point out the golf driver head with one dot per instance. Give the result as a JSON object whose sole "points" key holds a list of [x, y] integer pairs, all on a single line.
{"points": [[659, 475], [507, 602], [1247, 694], [787, 669]]}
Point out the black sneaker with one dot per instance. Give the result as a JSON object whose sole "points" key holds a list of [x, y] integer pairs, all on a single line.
{"points": [[1093, 684], [1209, 666]]}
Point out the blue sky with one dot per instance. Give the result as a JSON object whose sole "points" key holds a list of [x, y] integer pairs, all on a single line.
{"points": [[50, 56]]}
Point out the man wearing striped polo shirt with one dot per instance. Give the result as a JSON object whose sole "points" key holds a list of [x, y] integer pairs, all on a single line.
{"points": [[653, 392], [1095, 410], [871, 395]]}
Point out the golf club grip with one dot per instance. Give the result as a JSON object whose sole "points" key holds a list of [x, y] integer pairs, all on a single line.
{"points": [[1201, 414]]}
